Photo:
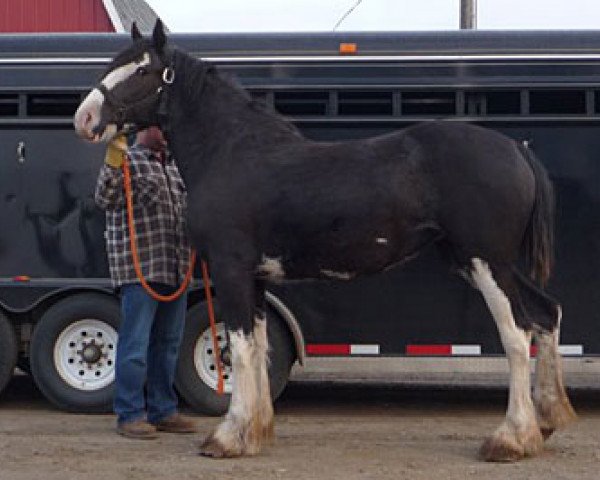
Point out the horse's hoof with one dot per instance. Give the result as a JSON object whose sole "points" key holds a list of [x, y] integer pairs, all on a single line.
{"points": [[505, 446], [213, 448], [501, 449], [532, 441]]}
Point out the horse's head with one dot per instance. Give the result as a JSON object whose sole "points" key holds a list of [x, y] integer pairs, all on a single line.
{"points": [[129, 92]]}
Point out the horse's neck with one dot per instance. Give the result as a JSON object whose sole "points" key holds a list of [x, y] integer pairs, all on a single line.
{"points": [[211, 120]]}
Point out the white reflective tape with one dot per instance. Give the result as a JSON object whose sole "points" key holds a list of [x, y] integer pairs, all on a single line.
{"points": [[364, 349], [466, 349], [570, 349]]}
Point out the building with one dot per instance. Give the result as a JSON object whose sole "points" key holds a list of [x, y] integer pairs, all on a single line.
{"points": [[45, 16]]}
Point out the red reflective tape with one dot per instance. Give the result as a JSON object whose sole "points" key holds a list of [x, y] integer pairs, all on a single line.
{"points": [[429, 349], [327, 349]]}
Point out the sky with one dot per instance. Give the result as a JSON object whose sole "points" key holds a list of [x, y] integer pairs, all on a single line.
{"points": [[322, 15]]}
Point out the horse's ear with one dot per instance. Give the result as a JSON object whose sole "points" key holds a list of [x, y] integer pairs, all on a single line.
{"points": [[158, 36], [135, 33]]}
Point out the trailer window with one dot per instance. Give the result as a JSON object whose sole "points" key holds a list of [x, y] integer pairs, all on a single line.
{"points": [[544, 102], [494, 102], [365, 103], [596, 101], [52, 105], [428, 103], [9, 105], [302, 103]]}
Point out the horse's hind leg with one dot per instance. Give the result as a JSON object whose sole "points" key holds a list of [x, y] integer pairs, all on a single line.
{"points": [[552, 405], [519, 435]]}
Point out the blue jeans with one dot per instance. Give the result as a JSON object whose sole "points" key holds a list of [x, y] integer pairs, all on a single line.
{"points": [[149, 339]]}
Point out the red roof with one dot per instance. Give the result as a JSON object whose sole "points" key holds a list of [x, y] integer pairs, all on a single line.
{"points": [[54, 16]]}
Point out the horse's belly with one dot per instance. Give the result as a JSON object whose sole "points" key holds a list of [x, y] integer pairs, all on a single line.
{"points": [[340, 262], [346, 254]]}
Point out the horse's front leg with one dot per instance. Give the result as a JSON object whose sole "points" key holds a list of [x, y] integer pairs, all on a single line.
{"points": [[265, 403], [239, 433]]}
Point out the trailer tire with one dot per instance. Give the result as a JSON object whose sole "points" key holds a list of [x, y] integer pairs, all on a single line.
{"points": [[8, 351], [73, 347], [196, 378]]}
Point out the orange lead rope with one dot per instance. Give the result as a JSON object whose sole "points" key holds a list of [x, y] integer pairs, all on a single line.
{"points": [[133, 244], [186, 281], [213, 326]]}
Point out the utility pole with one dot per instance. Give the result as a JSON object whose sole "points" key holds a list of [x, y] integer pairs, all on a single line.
{"points": [[468, 14]]}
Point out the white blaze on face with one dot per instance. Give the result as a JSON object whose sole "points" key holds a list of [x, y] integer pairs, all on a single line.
{"points": [[88, 115]]}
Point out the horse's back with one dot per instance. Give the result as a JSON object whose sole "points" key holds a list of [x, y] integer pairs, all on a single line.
{"points": [[362, 205]]}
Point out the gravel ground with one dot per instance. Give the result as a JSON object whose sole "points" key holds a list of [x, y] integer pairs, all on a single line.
{"points": [[324, 430]]}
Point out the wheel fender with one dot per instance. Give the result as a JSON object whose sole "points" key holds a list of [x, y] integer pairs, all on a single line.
{"points": [[290, 319]]}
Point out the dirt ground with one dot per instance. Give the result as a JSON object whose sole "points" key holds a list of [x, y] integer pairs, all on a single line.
{"points": [[329, 431]]}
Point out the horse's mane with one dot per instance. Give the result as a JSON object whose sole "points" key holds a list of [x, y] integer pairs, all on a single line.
{"points": [[198, 72]]}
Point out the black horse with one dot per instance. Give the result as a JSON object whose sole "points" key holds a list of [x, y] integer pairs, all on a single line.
{"points": [[267, 204]]}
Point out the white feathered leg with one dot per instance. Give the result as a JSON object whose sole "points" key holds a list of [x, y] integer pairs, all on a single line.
{"points": [[265, 404], [519, 434], [240, 431], [552, 405]]}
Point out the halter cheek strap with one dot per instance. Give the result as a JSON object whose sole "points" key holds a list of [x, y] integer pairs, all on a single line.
{"points": [[168, 77]]}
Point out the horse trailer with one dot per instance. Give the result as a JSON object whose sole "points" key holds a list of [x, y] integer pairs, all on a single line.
{"points": [[59, 315]]}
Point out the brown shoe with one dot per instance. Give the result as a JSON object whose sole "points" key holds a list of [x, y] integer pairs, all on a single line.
{"points": [[139, 429], [177, 423]]}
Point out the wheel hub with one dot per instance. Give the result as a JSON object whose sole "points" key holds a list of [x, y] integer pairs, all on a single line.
{"points": [[205, 361], [226, 356], [92, 352], [84, 354]]}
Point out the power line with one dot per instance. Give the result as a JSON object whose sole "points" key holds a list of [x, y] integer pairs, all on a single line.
{"points": [[348, 12]]}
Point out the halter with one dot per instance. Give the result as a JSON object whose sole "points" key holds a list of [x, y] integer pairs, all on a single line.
{"points": [[168, 77], [121, 108], [162, 113]]}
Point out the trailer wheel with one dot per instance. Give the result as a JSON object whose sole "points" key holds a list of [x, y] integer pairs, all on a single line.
{"points": [[8, 351], [73, 349], [196, 378]]}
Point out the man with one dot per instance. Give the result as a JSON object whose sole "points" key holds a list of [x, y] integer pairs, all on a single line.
{"points": [[150, 332]]}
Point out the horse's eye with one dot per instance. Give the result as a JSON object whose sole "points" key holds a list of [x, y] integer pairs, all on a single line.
{"points": [[141, 71]]}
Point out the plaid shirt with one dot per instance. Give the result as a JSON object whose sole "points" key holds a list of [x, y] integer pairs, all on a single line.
{"points": [[159, 202]]}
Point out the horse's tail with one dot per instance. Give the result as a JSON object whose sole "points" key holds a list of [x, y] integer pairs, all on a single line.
{"points": [[539, 237]]}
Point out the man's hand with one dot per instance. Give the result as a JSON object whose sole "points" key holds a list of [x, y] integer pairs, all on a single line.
{"points": [[115, 151]]}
